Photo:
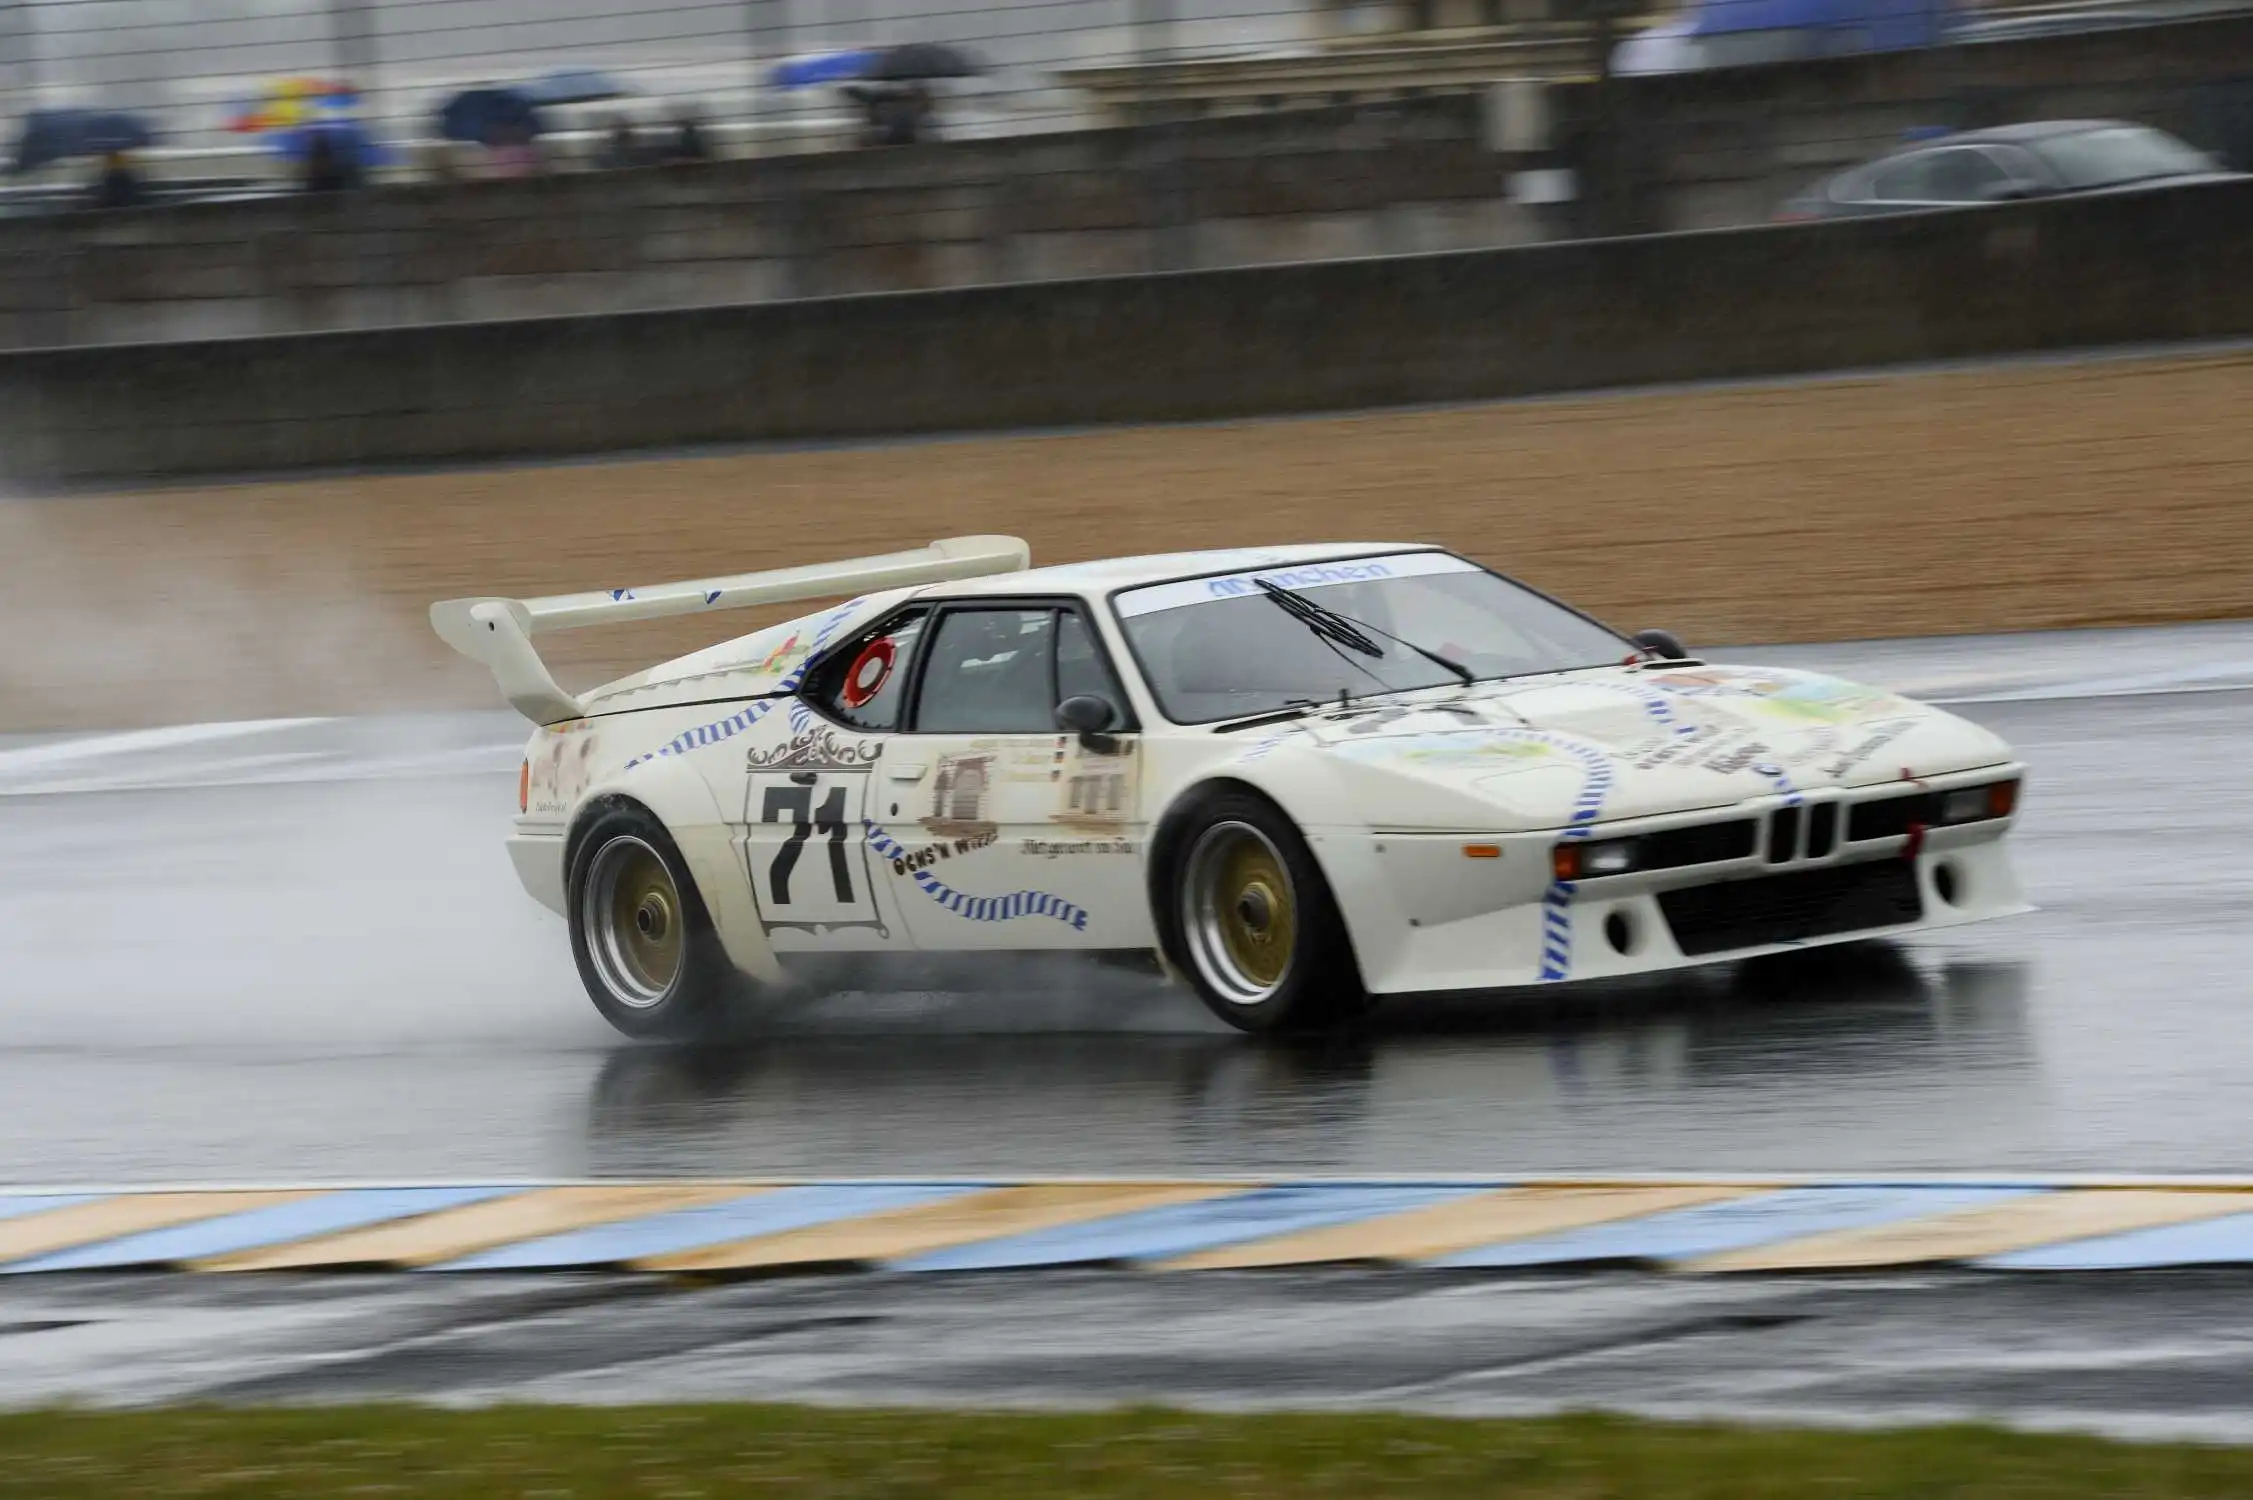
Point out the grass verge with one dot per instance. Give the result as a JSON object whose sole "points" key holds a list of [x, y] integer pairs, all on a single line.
{"points": [[557, 1452]]}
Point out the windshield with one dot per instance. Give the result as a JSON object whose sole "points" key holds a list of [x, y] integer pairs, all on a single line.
{"points": [[1222, 648], [2117, 154]]}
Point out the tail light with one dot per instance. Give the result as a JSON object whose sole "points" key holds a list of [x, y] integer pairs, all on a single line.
{"points": [[524, 786]]}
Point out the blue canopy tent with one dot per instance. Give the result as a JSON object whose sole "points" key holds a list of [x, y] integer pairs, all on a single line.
{"points": [[1830, 26]]}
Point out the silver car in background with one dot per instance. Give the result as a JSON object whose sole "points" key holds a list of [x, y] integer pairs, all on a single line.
{"points": [[2043, 159]]}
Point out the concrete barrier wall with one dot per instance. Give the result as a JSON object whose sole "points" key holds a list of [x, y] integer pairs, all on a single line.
{"points": [[1382, 178], [2173, 264]]}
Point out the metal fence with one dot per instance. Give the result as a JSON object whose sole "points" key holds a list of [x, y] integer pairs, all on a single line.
{"points": [[1044, 64], [188, 64]]}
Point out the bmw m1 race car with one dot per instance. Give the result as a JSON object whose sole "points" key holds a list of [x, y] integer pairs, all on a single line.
{"points": [[1300, 776]]}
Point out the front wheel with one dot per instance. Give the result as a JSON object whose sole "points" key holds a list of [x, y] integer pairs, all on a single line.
{"points": [[1248, 917], [645, 945]]}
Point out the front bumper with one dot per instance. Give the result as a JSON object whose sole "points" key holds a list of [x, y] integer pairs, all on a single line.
{"points": [[1424, 917]]}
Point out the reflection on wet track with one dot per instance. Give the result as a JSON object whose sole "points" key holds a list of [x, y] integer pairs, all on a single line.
{"points": [[1702, 1074], [335, 977]]}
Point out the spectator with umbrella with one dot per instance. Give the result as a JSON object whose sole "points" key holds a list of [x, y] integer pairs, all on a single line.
{"points": [[505, 121], [52, 135], [901, 109], [892, 85], [55, 135], [314, 123]]}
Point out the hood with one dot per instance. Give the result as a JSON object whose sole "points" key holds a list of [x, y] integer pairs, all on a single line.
{"points": [[1638, 742]]}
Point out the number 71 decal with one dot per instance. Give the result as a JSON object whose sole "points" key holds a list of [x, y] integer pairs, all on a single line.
{"points": [[829, 818], [827, 886]]}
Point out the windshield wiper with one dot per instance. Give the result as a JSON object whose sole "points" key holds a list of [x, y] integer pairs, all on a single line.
{"points": [[1322, 620], [1329, 623], [1332, 630]]}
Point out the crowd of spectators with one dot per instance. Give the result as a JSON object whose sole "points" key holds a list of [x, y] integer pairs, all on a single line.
{"points": [[891, 114]]}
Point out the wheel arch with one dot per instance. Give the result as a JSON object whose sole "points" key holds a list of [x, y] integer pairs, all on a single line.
{"points": [[1172, 827], [685, 806]]}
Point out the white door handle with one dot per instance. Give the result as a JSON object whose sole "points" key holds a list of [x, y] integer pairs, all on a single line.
{"points": [[906, 770]]}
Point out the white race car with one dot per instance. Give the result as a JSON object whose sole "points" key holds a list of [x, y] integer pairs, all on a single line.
{"points": [[1299, 776]]}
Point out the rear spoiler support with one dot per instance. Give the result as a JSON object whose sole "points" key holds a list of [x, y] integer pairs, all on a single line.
{"points": [[498, 632]]}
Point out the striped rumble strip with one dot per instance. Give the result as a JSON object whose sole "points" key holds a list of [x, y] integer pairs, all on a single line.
{"points": [[1691, 1225]]}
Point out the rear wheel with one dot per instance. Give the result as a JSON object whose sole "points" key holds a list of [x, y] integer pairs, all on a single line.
{"points": [[1248, 917], [646, 949]]}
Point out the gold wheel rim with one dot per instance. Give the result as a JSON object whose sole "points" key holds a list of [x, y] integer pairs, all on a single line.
{"points": [[1243, 912], [636, 929]]}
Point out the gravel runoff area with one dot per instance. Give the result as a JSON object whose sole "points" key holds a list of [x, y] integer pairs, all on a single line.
{"points": [[2034, 494]]}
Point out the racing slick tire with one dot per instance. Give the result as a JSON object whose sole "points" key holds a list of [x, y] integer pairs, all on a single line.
{"points": [[1246, 916], [644, 942]]}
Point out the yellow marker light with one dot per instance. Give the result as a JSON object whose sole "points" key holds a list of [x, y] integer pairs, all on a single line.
{"points": [[1564, 861], [2002, 799], [1482, 851], [524, 787]]}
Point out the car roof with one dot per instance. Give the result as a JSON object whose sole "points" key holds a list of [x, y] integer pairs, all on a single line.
{"points": [[1160, 567], [2030, 130], [2035, 130]]}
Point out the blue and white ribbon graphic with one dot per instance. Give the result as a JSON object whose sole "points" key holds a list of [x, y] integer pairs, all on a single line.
{"points": [[1780, 779], [1657, 702], [1556, 901], [979, 908]]}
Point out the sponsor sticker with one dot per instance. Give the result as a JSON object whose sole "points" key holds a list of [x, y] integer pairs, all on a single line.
{"points": [[1298, 578], [1052, 848]]}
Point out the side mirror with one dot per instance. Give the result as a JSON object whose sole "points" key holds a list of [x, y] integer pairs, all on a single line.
{"points": [[1661, 643], [1088, 716]]}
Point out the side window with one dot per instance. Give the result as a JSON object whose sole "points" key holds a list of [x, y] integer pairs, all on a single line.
{"points": [[1080, 667], [2021, 167], [990, 671], [863, 683], [1963, 176], [1905, 181]]}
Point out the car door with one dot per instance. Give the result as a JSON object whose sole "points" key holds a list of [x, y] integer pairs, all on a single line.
{"points": [[1001, 830], [809, 795]]}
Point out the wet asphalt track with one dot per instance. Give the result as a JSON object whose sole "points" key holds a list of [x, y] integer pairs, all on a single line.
{"points": [[295, 951], [2160, 1356]]}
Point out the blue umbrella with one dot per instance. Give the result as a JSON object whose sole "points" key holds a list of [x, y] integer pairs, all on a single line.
{"points": [[52, 135], [485, 115], [350, 139], [822, 67], [573, 86]]}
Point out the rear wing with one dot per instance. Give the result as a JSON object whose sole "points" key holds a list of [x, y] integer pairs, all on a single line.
{"points": [[498, 632]]}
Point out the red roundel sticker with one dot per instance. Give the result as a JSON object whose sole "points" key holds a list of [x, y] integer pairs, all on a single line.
{"points": [[870, 671]]}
